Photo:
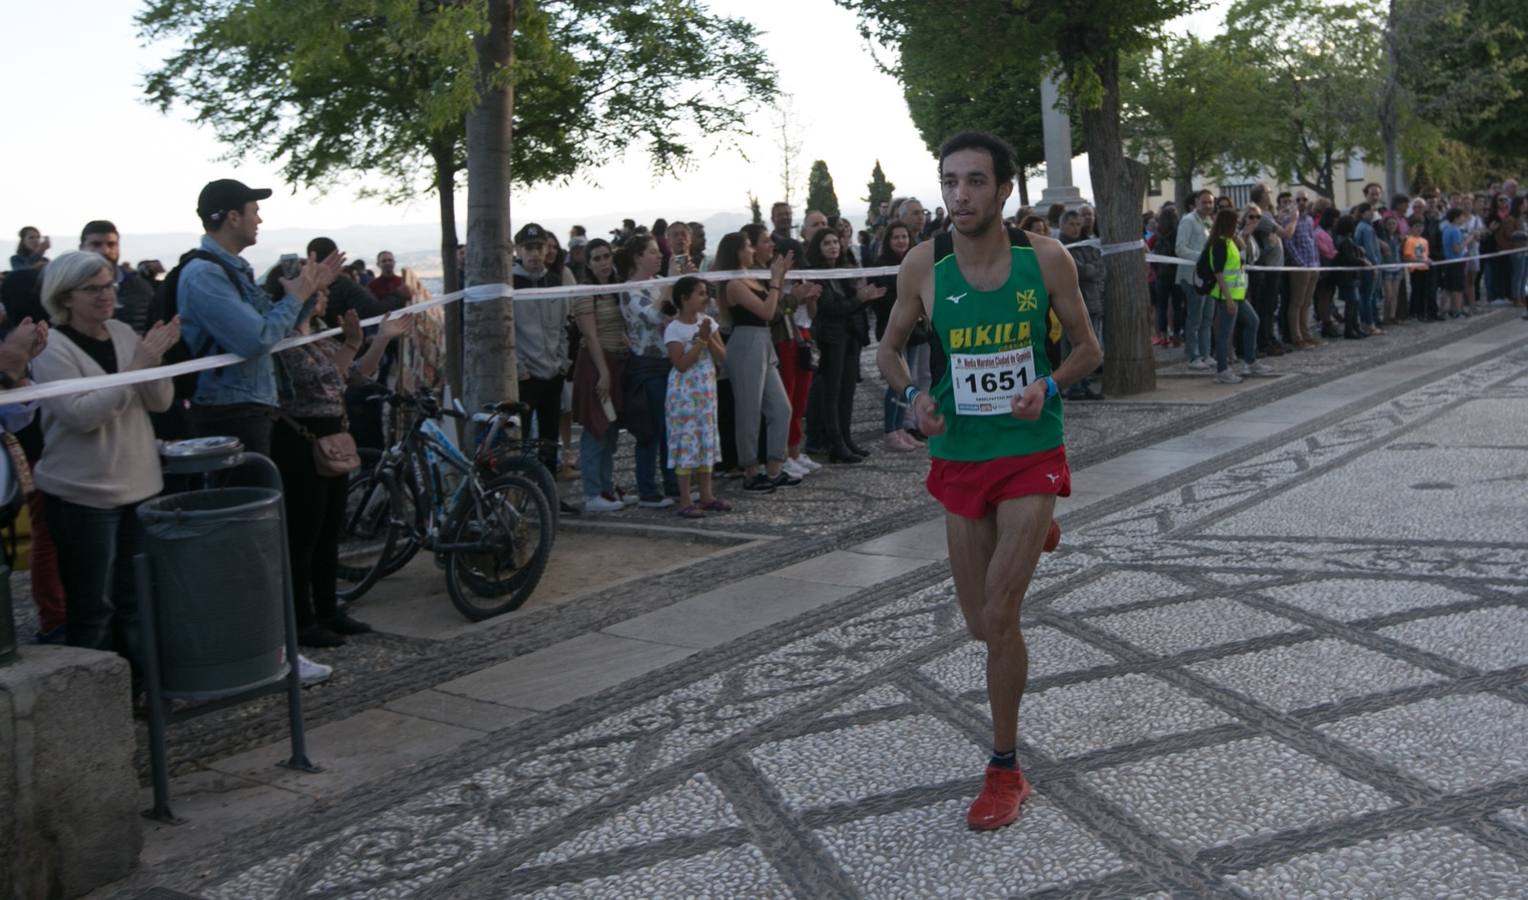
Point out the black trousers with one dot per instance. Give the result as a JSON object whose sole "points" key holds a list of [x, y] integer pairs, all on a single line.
{"points": [[544, 397], [250, 423], [830, 407], [1263, 293], [315, 509], [1424, 294], [95, 563], [726, 425]]}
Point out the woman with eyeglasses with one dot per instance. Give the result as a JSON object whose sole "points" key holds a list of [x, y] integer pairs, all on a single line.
{"points": [[99, 460]]}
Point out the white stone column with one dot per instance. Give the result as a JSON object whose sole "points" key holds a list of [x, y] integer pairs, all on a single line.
{"points": [[1058, 150]]}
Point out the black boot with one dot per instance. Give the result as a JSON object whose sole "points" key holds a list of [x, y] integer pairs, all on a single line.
{"points": [[840, 453]]}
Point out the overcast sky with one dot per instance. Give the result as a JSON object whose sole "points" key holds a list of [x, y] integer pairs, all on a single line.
{"points": [[81, 144]]}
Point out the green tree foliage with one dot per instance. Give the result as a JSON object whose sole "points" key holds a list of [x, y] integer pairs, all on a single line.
{"points": [[819, 190], [379, 90], [949, 88], [1460, 69], [1320, 79], [755, 213], [1023, 40], [1188, 111], [879, 189]]}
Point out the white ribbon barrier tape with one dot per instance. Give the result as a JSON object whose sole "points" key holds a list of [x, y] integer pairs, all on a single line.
{"points": [[481, 293], [139, 376], [484, 293], [1111, 249]]}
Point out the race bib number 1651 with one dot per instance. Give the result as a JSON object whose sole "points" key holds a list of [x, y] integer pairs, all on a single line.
{"points": [[985, 385]]}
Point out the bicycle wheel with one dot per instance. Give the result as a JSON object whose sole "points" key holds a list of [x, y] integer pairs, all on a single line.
{"points": [[533, 469], [503, 537], [375, 539]]}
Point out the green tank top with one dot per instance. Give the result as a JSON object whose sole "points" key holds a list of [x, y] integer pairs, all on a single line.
{"points": [[993, 346]]}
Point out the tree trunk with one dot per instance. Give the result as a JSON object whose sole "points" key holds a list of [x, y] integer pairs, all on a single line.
{"points": [[451, 276], [1389, 115], [1024, 186], [1119, 187], [489, 367], [1183, 187]]}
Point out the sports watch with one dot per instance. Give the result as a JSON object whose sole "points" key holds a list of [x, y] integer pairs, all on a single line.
{"points": [[1051, 388]]}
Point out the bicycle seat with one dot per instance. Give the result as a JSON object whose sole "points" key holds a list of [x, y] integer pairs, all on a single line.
{"points": [[508, 408]]}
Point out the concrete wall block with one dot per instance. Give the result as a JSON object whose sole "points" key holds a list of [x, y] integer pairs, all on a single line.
{"points": [[69, 821]]}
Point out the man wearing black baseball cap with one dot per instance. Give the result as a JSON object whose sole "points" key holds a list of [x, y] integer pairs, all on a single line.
{"points": [[541, 337], [223, 311]]}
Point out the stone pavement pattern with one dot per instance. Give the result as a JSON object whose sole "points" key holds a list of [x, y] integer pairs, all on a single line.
{"points": [[1301, 669]]}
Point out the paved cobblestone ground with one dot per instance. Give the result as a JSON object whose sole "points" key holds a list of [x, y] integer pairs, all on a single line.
{"points": [[1300, 671]]}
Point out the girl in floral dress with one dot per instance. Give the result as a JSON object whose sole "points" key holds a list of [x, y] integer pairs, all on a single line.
{"points": [[695, 349]]}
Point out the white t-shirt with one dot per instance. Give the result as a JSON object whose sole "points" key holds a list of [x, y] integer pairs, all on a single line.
{"points": [[678, 332]]}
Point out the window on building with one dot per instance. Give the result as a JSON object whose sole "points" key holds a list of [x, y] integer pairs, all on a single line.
{"points": [[1356, 166], [1240, 194], [1154, 189]]}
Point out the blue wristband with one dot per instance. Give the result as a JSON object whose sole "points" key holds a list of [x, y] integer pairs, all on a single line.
{"points": [[910, 392], [1051, 388]]}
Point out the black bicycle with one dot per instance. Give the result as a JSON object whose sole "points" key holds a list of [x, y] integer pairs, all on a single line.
{"points": [[490, 527]]}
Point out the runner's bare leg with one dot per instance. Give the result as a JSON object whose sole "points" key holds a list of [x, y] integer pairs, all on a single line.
{"points": [[971, 544], [1021, 526]]}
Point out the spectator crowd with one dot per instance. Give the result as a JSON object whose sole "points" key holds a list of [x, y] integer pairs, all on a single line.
{"points": [[752, 379]]}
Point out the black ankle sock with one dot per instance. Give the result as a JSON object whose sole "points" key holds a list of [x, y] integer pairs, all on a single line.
{"points": [[1009, 760]]}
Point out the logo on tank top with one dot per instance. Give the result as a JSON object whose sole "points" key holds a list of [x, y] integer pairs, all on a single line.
{"points": [[1006, 334], [1028, 302], [956, 298]]}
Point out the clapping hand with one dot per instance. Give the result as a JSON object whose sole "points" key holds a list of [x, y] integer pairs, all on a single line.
{"points": [[705, 330], [161, 337], [21, 346], [780, 265], [393, 327], [314, 275], [872, 292]]}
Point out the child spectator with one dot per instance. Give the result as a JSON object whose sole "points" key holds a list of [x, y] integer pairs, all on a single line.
{"points": [[695, 349]]}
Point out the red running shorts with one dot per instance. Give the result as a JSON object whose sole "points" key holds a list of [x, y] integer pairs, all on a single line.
{"points": [[974, 489]]}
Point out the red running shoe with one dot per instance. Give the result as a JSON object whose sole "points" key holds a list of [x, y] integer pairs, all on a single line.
{"points": [[1052, 537], [1003, 791]]}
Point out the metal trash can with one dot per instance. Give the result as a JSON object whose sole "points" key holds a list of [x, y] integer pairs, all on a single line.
{"points": [[215, 599], [219, 572]]}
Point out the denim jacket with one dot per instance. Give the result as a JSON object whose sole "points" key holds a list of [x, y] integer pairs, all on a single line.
{"points": [[238, 320]]}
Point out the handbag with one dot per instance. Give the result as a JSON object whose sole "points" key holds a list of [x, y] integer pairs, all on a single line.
{"points": [[333, 454], [808, 354]]}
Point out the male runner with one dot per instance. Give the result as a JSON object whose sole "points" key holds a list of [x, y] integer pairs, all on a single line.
{"points": [[993, 417]]}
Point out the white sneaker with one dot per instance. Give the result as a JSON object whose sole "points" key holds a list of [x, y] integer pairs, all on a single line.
{"points": [[1199, 364], [1261, 368], [660, 503], [310, 672], [1246, 370], [600, 504], [1227, 377], [806, 463], [795, 468]]}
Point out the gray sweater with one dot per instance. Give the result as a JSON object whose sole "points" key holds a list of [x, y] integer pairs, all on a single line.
{"points": [[98, 446]]}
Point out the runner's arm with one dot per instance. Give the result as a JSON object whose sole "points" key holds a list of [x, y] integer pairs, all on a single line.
{"points": [[1066, 300], [905, 312]]}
